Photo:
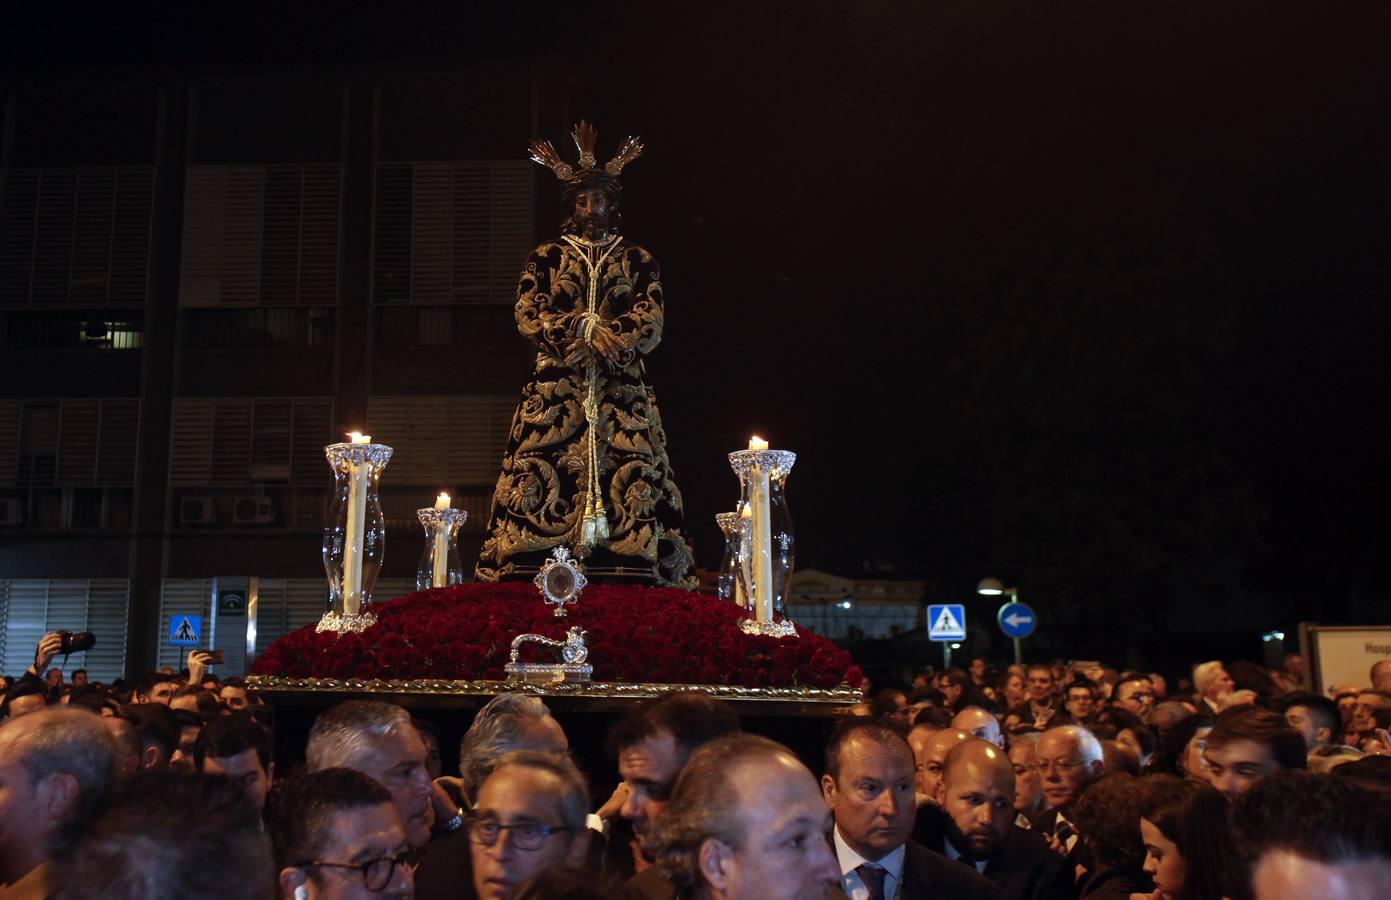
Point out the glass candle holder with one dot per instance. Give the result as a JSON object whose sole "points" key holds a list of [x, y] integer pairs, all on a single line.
{"points": [[439, 562], [355, 535], [727, 585], [767, 542]]}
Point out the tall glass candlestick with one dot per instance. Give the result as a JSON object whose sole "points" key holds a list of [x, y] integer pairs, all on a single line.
{"points": [[768, 544], [355, 537]]}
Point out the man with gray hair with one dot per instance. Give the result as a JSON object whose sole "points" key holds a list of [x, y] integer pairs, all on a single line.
{"points": [[529, 816], [1028, 786], [507, 722], [1211, 681], [746, 821], [170, 833], [1069, 758], [378, 740], [55, 767]]}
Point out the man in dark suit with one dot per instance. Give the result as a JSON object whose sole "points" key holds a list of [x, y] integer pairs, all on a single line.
{"points": [[1069, 759], [974, 823], [869, 786]]}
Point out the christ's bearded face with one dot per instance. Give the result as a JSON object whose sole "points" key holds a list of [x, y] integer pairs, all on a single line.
{"points": [[592, 213]]}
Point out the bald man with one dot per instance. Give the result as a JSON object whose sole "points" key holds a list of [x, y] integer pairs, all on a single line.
{"points": [[1381, 675], [934, 756], [974, 824], [980, 724]]}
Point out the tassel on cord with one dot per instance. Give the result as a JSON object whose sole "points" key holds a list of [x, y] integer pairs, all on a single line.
{"points": [[594, 524]]}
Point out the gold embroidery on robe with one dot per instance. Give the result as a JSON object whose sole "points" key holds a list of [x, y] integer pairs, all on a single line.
{"points": [[541, 491]]}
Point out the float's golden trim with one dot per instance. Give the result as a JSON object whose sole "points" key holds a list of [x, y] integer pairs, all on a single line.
{"points": [[839, 696]]}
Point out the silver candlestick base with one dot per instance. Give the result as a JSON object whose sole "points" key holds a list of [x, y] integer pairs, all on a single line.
{"points": [[342, 623], [782, 629]]}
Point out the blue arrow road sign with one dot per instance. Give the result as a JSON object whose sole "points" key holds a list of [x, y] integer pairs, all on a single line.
{"points": [[1017, 620], [184, 631], [946, 622]]}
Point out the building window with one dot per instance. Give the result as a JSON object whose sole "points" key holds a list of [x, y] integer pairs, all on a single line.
{"points": [[261, 235], [75, 236], [451, 232]]}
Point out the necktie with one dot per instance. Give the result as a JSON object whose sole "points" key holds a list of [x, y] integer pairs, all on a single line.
{"points": [[873, 877], [1063, 831]]}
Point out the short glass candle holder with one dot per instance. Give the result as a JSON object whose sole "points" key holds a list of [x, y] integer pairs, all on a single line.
{"points": [[439, 562]]}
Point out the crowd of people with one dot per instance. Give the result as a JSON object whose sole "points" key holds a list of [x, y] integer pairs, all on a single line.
{"points": [[1044, 782]]}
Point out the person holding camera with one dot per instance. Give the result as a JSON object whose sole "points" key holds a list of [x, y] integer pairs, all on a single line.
{"points": [[32, 691], [36, 688]]}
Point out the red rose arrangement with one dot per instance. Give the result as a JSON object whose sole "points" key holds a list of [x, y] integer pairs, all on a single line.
{"points": [[636, 635]]}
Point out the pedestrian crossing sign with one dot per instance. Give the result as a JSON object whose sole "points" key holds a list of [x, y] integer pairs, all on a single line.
{"points": [[185, 631], [946, 622]]}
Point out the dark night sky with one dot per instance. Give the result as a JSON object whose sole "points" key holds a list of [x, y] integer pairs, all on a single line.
{"points": [[1091, 296]]}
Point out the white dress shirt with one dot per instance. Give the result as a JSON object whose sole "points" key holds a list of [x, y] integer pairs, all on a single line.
{"points": [[955, 854], [850, 881]]}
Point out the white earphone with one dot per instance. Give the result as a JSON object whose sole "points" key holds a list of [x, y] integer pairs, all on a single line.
{"points": [[301, 892]]}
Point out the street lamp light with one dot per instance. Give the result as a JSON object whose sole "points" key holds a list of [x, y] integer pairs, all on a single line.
{"points": [[993, 587]]}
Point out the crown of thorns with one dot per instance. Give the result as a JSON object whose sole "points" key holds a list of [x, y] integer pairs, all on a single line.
{"points": [[584, 135]]}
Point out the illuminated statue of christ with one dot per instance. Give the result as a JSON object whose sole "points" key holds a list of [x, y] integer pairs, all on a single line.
{"points": [[586, 465]]}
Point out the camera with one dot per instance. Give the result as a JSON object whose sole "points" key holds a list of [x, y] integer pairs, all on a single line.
{"points": [[76, 641]]}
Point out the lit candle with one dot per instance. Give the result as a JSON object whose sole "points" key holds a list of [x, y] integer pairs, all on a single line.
{"points": [[359, 481], [439, 577], [762, 538]]}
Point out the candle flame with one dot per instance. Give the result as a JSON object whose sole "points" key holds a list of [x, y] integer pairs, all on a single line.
{"points": [[442, 501], [359, 438], [757, 443]]}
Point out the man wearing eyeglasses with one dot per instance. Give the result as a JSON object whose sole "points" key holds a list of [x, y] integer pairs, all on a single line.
{"points": [[1069, 759], [529, 817], [1080, 701], [337, 836], [1136, 694]]}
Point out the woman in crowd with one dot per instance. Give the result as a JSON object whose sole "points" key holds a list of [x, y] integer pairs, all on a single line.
{"points": [[1106, 817], [1010, 690], [1182, 750], [1187, 848], [1127, 729]]}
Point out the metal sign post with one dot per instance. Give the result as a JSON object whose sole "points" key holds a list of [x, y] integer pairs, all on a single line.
{"points": [[946, 622], [1017, 621]]}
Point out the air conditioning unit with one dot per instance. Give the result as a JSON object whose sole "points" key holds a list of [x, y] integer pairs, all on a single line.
{"points": [[197, 511], [11, 511], [253, 511]]}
